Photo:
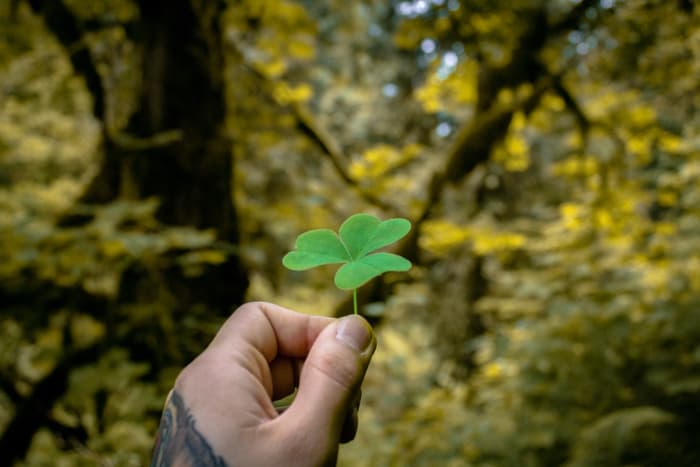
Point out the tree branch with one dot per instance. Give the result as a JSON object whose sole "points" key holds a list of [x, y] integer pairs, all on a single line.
{"points": [[317, 133], [583, 122], [474, 141], [571, 103], [8, 387], [686, 6], [67, 29], [328, 145], [33, 412], [572, 19], [71, 434]]}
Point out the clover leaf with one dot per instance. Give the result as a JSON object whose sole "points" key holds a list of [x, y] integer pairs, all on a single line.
{"points": [[360, 235]]}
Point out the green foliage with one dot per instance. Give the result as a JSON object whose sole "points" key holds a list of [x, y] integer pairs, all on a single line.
{"points": [[360, 235]]}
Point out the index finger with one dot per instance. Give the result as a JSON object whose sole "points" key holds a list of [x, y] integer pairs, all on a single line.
{"points": [[271, 329]]}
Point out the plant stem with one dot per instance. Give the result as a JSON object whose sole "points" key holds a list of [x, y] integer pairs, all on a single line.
{"points": [[354, 299]]}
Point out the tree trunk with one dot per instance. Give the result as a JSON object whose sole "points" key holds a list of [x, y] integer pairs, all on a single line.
{"points": [[182, 96], [183, 91]]}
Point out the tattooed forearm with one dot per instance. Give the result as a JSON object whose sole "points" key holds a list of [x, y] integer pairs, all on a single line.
{"points": [[178, 442]]}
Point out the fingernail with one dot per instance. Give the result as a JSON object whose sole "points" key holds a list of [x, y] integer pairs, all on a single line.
{"points": [[354, 332]]}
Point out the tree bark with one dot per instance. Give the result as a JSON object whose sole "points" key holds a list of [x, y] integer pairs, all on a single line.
{"points": [[183, 92]]}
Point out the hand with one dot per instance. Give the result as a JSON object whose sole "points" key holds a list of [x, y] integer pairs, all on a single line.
{"points": [[220, 412]]}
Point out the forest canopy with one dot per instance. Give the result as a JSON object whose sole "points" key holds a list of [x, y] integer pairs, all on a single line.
{"points": [[159, 158]]}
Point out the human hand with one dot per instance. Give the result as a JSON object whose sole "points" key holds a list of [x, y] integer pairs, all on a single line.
{"points": [[220, 412]]}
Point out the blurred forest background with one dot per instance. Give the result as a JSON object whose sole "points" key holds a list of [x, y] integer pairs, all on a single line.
{"points": [[158, 158]]}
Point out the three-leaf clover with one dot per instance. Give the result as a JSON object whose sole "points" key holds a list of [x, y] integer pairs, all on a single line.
{"points": [[360, 235]]}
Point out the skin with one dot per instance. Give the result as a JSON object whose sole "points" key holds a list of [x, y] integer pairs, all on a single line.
{"points": [[220, 412]]}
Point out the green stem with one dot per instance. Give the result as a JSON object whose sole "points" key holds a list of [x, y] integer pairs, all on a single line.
{"points": [[354, 299]]}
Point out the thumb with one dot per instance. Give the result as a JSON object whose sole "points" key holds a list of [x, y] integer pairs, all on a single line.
{"points": [[331, 377]]}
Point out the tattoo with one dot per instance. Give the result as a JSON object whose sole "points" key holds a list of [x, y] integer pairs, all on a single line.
{"points": [[178, 443]]}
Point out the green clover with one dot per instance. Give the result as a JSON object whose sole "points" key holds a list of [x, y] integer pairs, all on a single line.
{"points": [[360, 235]]}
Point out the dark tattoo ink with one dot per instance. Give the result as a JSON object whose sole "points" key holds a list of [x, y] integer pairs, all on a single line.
{"points": [[178, 443]]}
